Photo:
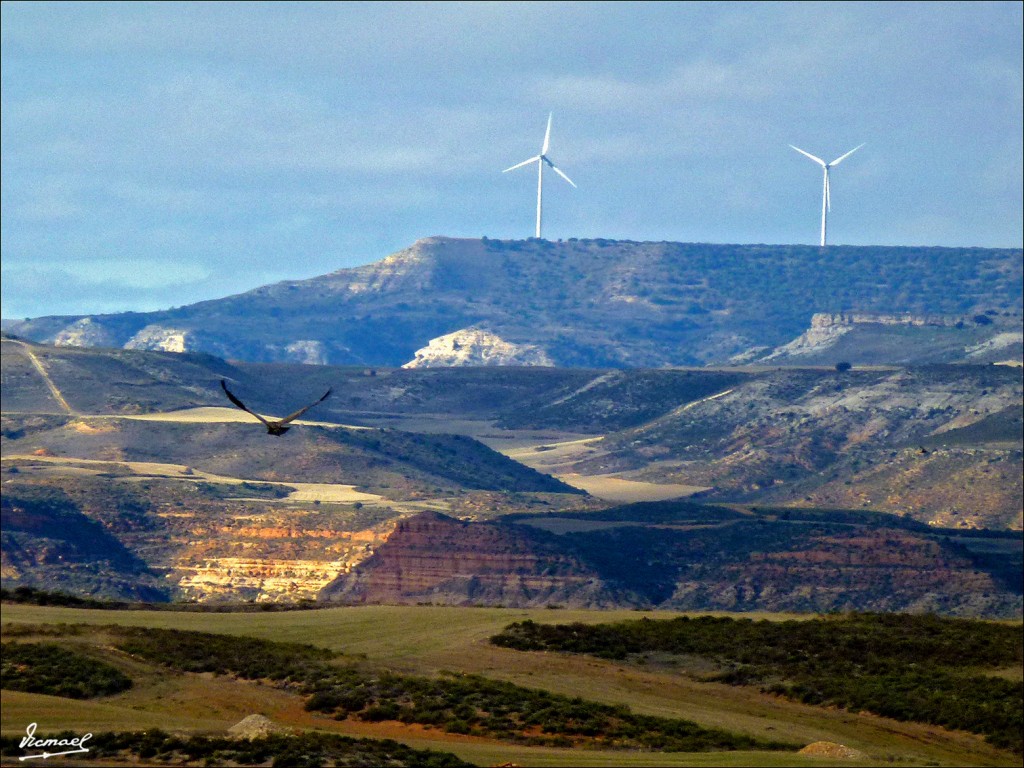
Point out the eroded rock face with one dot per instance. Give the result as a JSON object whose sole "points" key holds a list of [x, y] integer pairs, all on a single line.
{"points": [[265, 563], [1006, 345], [162, 338], [766, 564], [839, 571], [159, 338], [819, 337], [307, 351], [827, 328], [86, 332], [259, 579], [474, 346], [438, 559], [876, 338], [826, 319]]}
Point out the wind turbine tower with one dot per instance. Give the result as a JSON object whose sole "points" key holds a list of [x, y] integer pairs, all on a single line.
{"points": [[540, 160], [826, 195]]}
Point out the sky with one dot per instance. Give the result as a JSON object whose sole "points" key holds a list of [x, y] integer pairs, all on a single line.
{"points": [[158, 154]]}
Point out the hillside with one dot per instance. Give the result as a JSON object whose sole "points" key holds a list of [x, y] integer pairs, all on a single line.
{"points": [[593, 303], [125, 476], [48, 538], [126, 471], [442, 644], [942, 444], [691, 557], [433, 558]]}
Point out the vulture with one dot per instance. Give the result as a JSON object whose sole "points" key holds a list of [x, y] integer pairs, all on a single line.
{"points": [[278, 427]]}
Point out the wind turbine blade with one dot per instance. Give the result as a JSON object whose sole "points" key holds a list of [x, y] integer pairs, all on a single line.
{"points": [[843, 157], [520, 165], [557, 170], [818, 160], [547, 136], [828, 193]]}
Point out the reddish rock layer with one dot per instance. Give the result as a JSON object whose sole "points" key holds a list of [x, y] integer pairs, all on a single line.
{"points": [[437, 559]]}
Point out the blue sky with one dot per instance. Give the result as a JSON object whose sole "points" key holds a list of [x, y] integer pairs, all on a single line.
{"points": [[158, 154]]}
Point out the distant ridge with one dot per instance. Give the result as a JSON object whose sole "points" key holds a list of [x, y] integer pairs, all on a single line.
{"points": [[589, 303]]}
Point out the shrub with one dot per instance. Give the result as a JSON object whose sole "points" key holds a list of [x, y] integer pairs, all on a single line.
{"points": [[57, 671]]}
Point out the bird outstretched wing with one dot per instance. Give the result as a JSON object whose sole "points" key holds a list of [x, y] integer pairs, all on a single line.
{"points": [[239, 403], [293, 416]]}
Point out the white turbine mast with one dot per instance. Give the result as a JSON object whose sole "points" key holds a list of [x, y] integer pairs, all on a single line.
{"points": [[826, 195], [541, 159]]}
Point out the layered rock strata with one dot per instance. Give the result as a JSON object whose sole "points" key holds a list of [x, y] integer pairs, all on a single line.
{"points": [[433, 558]]}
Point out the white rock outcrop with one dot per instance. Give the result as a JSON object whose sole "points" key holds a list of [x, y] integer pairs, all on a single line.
{"points": [[475, 346], [85, 332], [1005, 341], [823, 333], [256, 726], [307, 351], [161, 339]]}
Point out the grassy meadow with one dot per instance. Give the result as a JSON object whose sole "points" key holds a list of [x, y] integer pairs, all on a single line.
{"points": [[424, 640]]}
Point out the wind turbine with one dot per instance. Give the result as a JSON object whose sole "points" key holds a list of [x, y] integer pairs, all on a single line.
{"points": [[826, 196], [540, 160]]}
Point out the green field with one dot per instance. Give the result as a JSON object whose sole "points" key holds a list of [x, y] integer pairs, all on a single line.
{"points": [[426, 640]]}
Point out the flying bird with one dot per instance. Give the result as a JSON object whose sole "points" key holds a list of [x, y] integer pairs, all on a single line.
{"points": [[278, 427]]}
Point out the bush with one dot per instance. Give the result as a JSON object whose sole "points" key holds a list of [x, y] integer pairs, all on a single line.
{"points": [[457, 703], [58, 671], [900, 666]]}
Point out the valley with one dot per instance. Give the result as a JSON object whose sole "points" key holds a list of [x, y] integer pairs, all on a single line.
{"points": [[179, 497]]}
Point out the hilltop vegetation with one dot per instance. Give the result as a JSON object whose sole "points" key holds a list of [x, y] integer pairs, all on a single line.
{"points": [[585, 303], [906, 667]]}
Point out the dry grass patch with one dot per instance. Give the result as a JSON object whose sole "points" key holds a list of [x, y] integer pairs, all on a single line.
{"points": [[626, 491]]}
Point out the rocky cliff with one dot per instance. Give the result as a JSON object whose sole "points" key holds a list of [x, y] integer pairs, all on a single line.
{"points": [[48, 542], [437, 559], [873, 570], [864, 338], [674, 555]]}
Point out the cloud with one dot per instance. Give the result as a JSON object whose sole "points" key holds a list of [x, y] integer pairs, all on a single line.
{"points": [[309, 136], [40, 290]]}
